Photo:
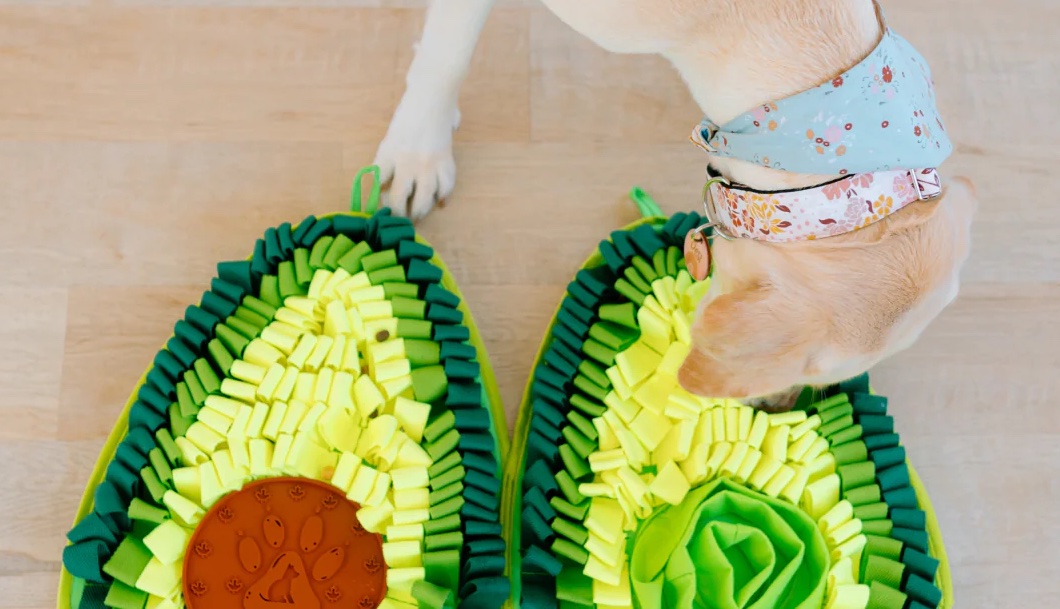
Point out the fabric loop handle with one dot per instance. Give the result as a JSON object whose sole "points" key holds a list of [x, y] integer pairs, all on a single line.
{"points": [[373, 196], [647, 206]]}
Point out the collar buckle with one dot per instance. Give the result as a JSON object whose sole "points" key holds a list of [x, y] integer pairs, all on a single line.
{"points": [[711, 212], [926, 183]]}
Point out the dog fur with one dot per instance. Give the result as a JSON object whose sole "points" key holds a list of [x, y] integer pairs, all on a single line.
{"points": [[777, 316]]}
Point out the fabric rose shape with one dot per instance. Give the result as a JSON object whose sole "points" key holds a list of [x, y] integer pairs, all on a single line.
{"points": [[726, 546]]}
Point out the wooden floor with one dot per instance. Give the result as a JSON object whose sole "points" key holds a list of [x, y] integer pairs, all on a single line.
{"points": [[143, 141]]}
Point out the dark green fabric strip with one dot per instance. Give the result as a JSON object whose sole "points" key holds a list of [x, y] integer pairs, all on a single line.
{"points": [[920, 563], [92, 527], [480, 528], [93, 597], [537, 559], [923, 591], [484, 462], [483, 566], [916, 539], [474, 512], [485, 593], [538, 475], [535, 528]]}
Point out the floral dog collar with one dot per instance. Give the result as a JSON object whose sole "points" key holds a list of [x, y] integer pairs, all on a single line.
{"points": [[843, 205], [879, 115], [875, 125]]}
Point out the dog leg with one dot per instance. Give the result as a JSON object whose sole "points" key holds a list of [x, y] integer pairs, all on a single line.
{"points": [[416, 155]]}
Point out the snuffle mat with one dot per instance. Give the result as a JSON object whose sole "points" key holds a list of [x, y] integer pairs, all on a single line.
{"points": [[624, 490], [321, 431]]}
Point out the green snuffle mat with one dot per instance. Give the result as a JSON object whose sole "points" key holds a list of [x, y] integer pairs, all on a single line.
{"points": [[624, 490], [322, 429]]}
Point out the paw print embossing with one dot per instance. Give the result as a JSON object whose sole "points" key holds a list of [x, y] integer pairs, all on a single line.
{"points": [[274, 531], [312, 532], [249, 554], [329, 564], [302, 553]]}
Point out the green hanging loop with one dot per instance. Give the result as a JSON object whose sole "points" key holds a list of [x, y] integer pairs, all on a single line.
{"points": [[647, 206], [373, 197]]}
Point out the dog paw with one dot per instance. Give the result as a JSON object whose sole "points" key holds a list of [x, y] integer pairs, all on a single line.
{"points": [[415, 158]]}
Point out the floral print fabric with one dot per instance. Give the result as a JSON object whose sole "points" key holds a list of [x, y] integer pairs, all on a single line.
{"points": [[838, 207], [877, 116]]}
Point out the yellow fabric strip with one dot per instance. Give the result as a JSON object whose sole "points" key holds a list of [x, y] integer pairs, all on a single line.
{"points": [[261, 353], [619, 595], [412, 498], [362, 484], [376, 519], [412, 454], [367, 396], [345, 471], [399, 582], [340, 429], [260, 457], [186, 482], [204, 438], [414, 516], [605, 519], [406, 532], [167, 542], [410, 477], [380, 490], [183, 510], [597, 570], [159, 579], [338, 345], [402, 554], [670, 485]]}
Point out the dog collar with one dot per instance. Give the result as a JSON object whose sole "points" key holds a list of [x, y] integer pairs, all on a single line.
{"points": [[875, 125], [843, 205], [879, 115]]}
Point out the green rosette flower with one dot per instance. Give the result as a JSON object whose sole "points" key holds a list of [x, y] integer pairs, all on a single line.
{"points": [[728, 547]]}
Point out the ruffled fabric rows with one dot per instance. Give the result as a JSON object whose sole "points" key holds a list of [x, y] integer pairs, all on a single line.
{"points": [[613, 444], [334, 354]]}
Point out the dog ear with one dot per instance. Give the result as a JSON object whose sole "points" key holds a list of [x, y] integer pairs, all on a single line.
{"points": [[748, 343]]}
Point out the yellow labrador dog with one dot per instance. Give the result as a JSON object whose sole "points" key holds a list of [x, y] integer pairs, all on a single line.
{"points": [[840, 242]]}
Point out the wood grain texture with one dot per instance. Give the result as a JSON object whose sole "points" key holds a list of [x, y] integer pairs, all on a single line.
{"points": [[143, 141]]}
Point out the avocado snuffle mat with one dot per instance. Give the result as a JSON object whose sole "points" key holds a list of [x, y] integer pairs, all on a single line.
{"points": [[322, 430], [624, 490]]}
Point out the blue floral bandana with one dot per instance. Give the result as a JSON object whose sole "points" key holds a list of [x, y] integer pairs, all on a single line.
{"points": [[879, 115]]}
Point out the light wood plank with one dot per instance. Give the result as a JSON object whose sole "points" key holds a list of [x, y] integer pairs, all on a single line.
{"points": [[32, 330]]}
